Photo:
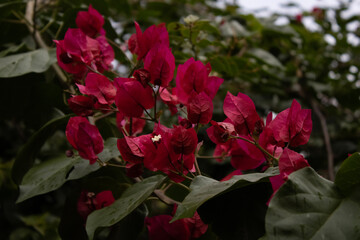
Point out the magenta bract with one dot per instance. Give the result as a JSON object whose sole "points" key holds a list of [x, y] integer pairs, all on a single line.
{"points": [[90, 22], [132, 98], [85, 138], [100, 87], [241, 111]]}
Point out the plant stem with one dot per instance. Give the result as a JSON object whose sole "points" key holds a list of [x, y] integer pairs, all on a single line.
{"points": [[258, 146], [180, 185], [182, 175], [197, 167]]}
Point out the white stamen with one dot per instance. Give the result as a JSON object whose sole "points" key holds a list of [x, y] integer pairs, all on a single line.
{"points": [[156, 138]]}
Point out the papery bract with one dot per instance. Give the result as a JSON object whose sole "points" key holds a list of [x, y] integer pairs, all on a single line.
{"points": [[160, 228], [220, 132], [241, 111], [292, 125], [89, 202], [76, 51], [245, 156], [127, 153], [183, 141], [141, 42], [107, 54], [300, 124], [90, 22], [99, 86], [81, 105], [200, 108], [132, 98], [192, 76], [70, 63], [160, 63], [160, 155], [85, 138], [169, 99], [291, 161], [137, 125]]}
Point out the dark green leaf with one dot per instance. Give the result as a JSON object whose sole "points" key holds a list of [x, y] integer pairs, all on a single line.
{"points": [[204, 188], [11, 49], [19, 64], [52, 174], [265, 57], [308, 206], [130, 200], [26, 156], [348, 176]]}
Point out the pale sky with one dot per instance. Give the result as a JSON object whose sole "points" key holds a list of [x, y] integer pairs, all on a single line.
{"points": [[266, 7]]}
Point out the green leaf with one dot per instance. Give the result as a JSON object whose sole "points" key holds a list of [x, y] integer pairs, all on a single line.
{"points": [[19, 64], [123, 206], [52, 174], [308, 206], [26, 156], [348, 176], [265, 57], [204, 188], [11, 49]]}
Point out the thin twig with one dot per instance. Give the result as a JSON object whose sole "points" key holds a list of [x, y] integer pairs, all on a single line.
{"points": [[324, 128]]}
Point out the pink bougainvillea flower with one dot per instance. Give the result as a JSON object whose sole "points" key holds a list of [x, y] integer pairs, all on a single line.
{"points": [[164, 153], [76, 51], [85, 138], [291, 161], [81, 105], [70, 63], [159, 227], [192, 76], [89, 202], [160, 63], [90, 22], [186, 228], [107, 54], [220, 132], [292, 125], [132, 149], [169, 99], [200, 108], [245, 156], [223, 150], [241, 111], [300, 124], [99, 86], [132, 98], [140, 43], [122, 122], [183, 141]]}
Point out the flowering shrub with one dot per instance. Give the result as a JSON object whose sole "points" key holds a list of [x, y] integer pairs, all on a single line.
{"points": [[268, 175]]}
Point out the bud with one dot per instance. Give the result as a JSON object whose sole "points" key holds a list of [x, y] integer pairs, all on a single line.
{"points": [[69, 153]]}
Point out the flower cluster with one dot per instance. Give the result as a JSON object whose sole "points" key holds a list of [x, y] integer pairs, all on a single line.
{"points": [[243, 136]]}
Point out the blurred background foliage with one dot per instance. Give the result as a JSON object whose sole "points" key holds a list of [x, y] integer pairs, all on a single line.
{"points": [[271, 63]]}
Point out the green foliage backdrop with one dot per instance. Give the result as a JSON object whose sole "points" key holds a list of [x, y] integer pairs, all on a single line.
{"points": [[272, 64]]}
